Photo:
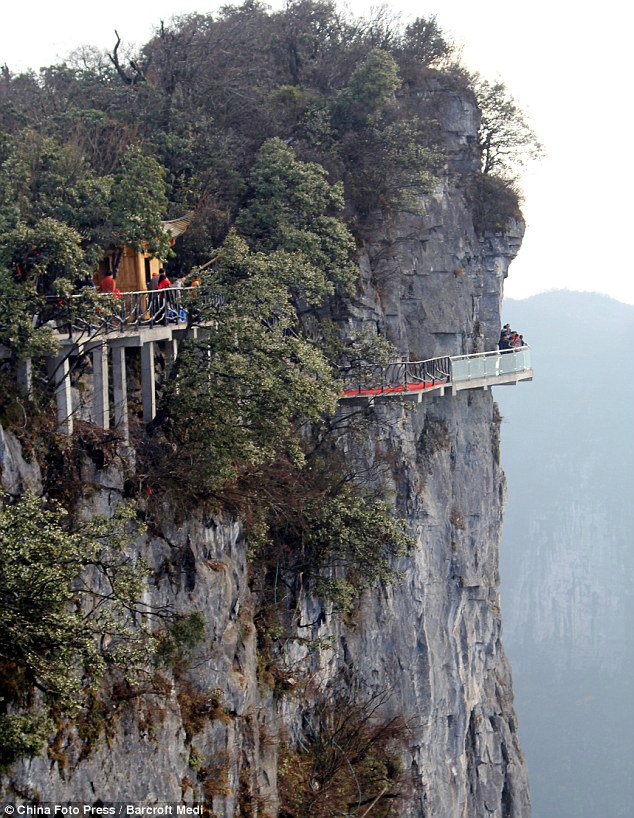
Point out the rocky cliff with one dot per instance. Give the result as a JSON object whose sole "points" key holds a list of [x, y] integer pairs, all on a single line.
{"points": [[428, 647]]}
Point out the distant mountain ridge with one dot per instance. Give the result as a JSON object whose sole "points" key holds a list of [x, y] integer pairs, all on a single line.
{"points": [[567, 557]]}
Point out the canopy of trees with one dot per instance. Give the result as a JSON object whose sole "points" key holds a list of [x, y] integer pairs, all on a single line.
{"points": [[102, 142]]}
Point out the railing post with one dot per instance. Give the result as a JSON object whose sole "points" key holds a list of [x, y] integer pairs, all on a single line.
{"points": [[451, 380]]}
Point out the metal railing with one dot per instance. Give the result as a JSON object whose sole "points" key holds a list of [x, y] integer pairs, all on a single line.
{"points": [[417, 376], [128, 310], [396, 378], [176, 306]]}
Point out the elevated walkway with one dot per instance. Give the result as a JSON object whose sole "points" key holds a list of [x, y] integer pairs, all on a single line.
{"points": [[412, 380], [151, 321], [144, 320]]}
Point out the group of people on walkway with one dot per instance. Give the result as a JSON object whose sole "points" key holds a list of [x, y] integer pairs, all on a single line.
{"points": [[172, 299], [509, 339], [158, 281], [163, 297]]}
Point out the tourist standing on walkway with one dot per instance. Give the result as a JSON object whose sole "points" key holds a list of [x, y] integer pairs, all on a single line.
{"points": [[152, 286], [107, 284], [163, 282]]}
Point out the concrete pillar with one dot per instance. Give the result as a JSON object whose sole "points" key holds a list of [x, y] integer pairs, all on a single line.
{"points": [[171, 352], [120, 392], [148, 381], [25, 379], [59, 372], [100, 407]]}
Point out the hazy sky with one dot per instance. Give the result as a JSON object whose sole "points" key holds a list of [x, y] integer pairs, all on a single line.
{"points": [[569, 67]]}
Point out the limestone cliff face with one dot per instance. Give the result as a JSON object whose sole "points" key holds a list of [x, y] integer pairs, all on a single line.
{"points": [[431, 641]]}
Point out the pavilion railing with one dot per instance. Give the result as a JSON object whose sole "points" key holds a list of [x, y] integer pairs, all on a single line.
{"points": [[128, 310]]}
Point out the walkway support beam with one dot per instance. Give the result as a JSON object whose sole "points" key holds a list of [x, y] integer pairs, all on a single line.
{"points": [[171, 352], [100, 406], [25, 378], [148, 382], [59, 373], [120, 392]]}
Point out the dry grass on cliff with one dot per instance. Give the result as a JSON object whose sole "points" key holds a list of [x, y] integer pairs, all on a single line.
{"points": [[347, 761]]}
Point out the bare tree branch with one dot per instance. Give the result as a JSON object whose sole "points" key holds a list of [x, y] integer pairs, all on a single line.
{"points": [[114, 59]]}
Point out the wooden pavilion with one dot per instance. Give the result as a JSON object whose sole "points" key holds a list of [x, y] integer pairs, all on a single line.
{"points": [[134, 267]]}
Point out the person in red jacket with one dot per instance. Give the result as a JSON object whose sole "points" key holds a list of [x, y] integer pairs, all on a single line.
{"points": [[107, 285], [165, 297]]}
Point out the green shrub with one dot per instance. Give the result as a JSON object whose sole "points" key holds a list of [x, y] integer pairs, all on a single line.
{"points": [[70, 610], [21, 735]]}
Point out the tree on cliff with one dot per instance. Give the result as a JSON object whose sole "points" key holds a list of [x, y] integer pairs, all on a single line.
{"points": [[70, 608], [288, 251], [506, 140], [235, 417], [506, 143], [290, 206], [58, 217]]}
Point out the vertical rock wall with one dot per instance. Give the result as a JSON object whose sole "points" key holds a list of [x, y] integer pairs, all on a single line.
{"points": [[433, 287]]}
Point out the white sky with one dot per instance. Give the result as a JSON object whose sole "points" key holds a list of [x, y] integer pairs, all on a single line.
{"points": [[568, 64]]}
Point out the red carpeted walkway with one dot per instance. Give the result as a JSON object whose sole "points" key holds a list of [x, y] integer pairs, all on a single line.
{"points": [[391, 390]]}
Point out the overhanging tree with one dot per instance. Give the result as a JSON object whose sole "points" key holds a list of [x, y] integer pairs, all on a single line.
{"points": [[506, 140]]}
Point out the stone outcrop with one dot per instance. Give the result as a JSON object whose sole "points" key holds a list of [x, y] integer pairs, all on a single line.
{"points": [[430, 641]]}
